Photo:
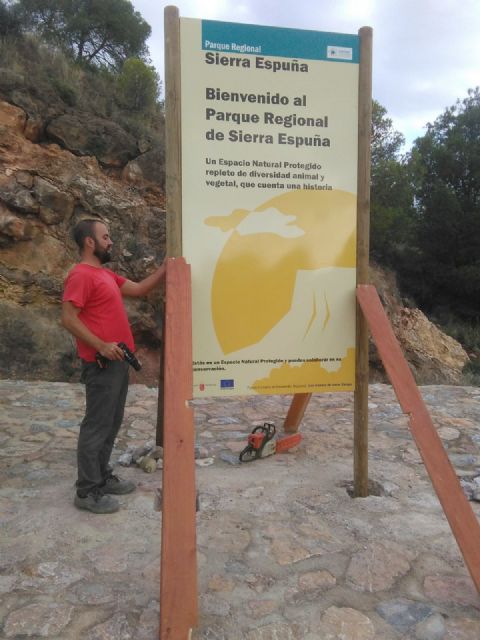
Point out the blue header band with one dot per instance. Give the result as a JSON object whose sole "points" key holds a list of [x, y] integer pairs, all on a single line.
{"points": [[246, 39]]}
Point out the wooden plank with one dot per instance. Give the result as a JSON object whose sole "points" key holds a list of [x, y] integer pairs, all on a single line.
{"points": [[459, 513], [360, 415], [173, 139], [173, 169], [296, 412], [178, 577]]}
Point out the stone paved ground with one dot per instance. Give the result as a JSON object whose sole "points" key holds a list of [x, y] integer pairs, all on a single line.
{"points": [[284, 552]]}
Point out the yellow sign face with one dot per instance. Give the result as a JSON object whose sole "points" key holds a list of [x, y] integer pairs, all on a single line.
{"points": [[269, 161]]}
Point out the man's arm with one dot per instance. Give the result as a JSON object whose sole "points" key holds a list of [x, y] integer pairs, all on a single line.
{"points": [[137, 289], [75, 326]]}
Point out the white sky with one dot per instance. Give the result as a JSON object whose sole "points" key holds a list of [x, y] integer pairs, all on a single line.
{"points": [[426, 53]]}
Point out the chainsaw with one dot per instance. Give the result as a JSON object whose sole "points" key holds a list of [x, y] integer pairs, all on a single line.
{"points": [[262, 443]]}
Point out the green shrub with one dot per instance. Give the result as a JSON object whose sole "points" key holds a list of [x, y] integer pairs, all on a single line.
{"points": [[10, 23], [138, 86], [471, 373], [66, 92]]}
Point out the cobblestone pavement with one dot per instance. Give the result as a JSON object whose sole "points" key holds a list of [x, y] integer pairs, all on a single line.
{"points": [[284, 552]]}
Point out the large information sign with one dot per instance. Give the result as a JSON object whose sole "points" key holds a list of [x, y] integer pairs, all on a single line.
{"points": [[269, 175]]}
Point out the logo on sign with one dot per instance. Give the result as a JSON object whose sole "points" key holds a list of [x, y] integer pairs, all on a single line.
{"points": [[340, 53], [226, 384]]}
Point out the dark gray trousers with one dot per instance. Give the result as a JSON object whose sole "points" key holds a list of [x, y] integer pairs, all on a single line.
{"points": [[106, 393]]}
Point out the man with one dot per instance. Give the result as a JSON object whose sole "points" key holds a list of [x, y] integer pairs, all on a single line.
{"points": [[93, 312]]}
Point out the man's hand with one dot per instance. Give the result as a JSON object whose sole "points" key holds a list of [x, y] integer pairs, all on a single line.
{"points": [[111, 351], [137, 289]]}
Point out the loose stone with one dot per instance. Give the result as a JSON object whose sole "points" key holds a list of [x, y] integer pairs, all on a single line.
{"points": [[201, 452], [125, 459], [205, 462], [229, 457], [147, 464]]}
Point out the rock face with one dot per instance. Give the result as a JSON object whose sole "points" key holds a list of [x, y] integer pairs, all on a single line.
{"points": [[85, 135], [43, 191], [148, 166], [438, 357], [434, 357]]}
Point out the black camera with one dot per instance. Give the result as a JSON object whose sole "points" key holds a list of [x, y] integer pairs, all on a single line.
{"points": [[102, 362], [130, 357]]}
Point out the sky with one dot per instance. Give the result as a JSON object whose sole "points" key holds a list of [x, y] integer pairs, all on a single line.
{"points": [[426, 53]]}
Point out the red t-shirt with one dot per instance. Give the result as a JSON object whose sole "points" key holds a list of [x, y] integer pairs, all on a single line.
{"points": [[96, 292]]}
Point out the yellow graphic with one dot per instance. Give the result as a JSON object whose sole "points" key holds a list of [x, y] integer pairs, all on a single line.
{"points": [[313, 317], [256, 272], [227, 223], [327, 314], [299, 378]]}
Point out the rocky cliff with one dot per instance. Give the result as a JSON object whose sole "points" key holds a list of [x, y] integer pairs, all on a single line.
{"points": [[48, 177], [433, 356], [55, 164]]}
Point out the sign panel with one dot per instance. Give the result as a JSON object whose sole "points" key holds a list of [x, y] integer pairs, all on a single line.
{"points": [[269, 175]]}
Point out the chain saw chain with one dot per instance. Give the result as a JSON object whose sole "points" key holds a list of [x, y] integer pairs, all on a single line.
{"points": [[263, 443]]}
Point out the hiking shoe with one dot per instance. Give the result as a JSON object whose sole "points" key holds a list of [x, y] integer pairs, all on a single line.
{"points": [[96, 502], [117, 486]]}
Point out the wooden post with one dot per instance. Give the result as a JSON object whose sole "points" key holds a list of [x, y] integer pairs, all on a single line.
{"points": [[360, 428], [296, 412], [173, 140], [173, 168], [178, 574]]}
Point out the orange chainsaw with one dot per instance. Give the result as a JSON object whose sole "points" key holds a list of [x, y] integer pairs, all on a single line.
{"points": [[262, 443]]}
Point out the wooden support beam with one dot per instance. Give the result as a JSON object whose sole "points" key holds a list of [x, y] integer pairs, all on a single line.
{"points": [[459, 513], [173, 137], [178, 576], [296, 412], [173, 165], [360, 418]]}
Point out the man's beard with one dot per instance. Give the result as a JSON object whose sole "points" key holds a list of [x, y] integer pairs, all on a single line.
{"points": [[102, 254]]}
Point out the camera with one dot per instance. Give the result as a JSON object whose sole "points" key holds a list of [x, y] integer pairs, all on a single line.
{"points": [[102, 362], [130, 357]]}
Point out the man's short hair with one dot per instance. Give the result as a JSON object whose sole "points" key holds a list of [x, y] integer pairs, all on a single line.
{"points": [[84, 229]]}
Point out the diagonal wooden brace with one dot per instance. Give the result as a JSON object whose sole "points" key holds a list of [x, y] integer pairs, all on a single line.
{"points": [[459, 513]]}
